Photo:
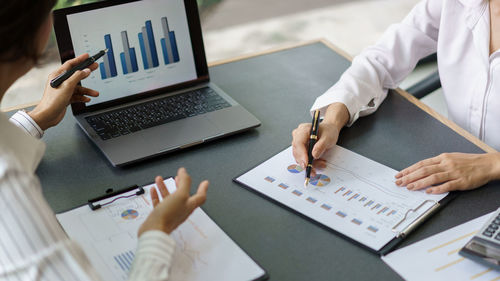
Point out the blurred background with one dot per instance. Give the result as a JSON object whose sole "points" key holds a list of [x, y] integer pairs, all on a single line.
{"points": [[238, 27]]}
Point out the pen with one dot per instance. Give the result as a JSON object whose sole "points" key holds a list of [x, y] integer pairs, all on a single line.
{"points": [[56, 82], [312, 141]]}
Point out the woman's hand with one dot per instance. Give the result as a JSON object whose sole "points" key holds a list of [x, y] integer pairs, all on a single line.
{"points": [[451, 171], [175, 208], [335, 118], [51, 109]]}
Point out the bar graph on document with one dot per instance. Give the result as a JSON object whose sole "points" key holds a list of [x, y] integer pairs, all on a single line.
{"points": [[116, 224], [109, 238], [124, 260], [437, 258], [353, 195]]}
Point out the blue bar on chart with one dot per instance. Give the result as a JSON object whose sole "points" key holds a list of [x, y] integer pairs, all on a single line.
{"points": [[356, 221], [369, 203], [341, 214], [128, 56], [383, 210], [282, 185], [353, 197], [168, 43], [125, 260], [312, 200], [108, 67], [326, 207], [340, 189], [148, 46], [269, 179]]}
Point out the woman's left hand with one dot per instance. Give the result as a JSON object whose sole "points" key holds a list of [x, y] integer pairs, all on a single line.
{"points": [[450, 171], [51, 109]]}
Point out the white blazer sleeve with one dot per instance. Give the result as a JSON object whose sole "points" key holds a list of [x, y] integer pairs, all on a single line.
{"points": [[365, 84]]}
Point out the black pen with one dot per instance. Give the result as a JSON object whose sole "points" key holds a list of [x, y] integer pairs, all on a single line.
{"points": [[312, 141], [54, 83]]}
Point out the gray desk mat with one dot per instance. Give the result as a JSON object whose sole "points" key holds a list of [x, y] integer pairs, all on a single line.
{"points": [[278, 88]]}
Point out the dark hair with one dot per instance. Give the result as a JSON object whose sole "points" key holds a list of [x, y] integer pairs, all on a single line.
{"points": [[20, 23]]}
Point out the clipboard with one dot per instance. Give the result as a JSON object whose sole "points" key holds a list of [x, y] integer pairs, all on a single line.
{"points": [[112, 266], [387, 247]]}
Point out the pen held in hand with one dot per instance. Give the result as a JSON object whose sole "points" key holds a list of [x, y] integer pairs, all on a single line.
{"points": [[56, 82], [312, 141]]}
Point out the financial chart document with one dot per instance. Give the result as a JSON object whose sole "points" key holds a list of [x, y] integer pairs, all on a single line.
{"points": [[353, 195], [437, 258], [109, 238]]}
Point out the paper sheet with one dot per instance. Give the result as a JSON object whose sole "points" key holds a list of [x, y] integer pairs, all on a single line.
{"points": [[437, 258], [109, 238], [352, 195]]}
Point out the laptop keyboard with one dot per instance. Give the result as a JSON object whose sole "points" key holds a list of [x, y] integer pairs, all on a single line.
{"points": [[142, 116]]}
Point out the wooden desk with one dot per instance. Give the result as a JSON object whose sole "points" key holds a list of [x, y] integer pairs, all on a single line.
{"points": [[278, 87]]}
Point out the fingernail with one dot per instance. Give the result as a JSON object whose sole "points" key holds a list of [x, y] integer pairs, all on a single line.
{"points": [[398, 175], [429, 190], [398, 182], [410, 186], [86, 71]]}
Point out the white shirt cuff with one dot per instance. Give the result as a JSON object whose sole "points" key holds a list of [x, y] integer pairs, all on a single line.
{"points": [[22, 120], [333, 96]]}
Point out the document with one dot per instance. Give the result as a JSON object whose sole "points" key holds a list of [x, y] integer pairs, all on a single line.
{"points": [[437, 258], [109, 238], [353, 195]]}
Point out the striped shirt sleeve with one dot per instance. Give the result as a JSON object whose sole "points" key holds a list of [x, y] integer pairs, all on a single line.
{"points": [[153, 257], [33, 246]]}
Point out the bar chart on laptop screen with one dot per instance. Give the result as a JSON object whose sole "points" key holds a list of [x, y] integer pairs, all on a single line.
{"points": [[149, 47]]}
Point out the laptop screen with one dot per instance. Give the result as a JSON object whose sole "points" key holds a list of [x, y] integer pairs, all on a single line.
{"points": [[148, 42]]}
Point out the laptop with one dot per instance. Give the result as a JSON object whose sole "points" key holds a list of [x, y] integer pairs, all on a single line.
{"points": [[155, 91]]}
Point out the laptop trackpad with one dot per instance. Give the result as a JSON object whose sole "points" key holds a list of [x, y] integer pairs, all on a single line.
{"points": [[180, 133]]}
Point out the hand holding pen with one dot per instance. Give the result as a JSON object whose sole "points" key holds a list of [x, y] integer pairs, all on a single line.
{"points": [[312, 141], [56, 82], [335, 117], [52, 107]]}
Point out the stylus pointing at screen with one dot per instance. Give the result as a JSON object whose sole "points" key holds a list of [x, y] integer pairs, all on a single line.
{"points": [[54, 83]]}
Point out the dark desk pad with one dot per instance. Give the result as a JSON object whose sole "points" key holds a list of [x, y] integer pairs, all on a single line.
{"points": [[278, 89]]}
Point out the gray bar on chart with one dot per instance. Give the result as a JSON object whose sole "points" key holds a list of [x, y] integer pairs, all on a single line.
{"points": [[126, 51], [106, 65], [145, 38], [166, 30]]}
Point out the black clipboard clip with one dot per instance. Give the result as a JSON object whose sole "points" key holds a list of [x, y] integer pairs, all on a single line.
{"points": [[110, 193]]}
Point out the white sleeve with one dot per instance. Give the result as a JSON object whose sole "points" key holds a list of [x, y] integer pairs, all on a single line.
{"points": [[365, 84], [153, 257], [33, 245], [22, 120]]}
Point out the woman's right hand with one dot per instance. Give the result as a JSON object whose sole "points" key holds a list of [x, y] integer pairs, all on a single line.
{"points": [[336, 117], [175, 208], [52, 108]]}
